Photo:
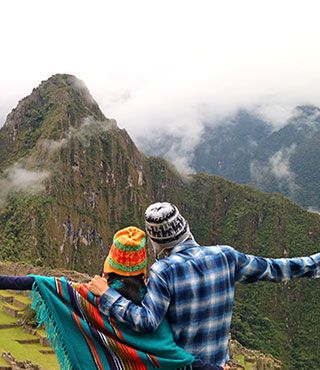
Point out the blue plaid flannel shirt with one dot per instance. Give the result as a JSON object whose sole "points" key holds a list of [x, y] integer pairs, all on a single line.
{"points": [[194, 287]]}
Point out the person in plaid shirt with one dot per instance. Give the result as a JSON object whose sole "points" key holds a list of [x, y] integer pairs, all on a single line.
{"points": [[194, 285]]}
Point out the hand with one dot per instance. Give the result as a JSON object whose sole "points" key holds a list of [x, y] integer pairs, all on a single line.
{"points": [[226, 367], [98, 285]]}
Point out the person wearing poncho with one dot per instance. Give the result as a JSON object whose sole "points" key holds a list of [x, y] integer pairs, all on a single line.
{"points": [[85, 339]]}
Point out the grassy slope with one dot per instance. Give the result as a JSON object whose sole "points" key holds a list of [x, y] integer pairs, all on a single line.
{"points": [[23, 352]]}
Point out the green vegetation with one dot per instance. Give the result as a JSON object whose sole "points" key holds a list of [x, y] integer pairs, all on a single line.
{"points": [[26, 351], [3, 362], [10, 338], [4, 318], [247, 365], [22, 224]]}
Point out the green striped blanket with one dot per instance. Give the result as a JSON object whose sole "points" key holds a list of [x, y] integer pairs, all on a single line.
{"points": [[84, 338]]}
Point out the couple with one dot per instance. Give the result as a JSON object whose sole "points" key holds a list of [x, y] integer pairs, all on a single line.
{"points": [[125, 273], [192, 289]]}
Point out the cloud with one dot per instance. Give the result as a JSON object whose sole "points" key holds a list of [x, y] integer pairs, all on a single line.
{"points": [[176, 142], [313, 210], [87, 129], [50, 146], [277, 167], [16, 178], [274, 113], [219, 60], [279, 163], [80, 85]]}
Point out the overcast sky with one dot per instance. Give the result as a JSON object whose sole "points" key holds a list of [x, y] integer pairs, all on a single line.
{"points": [[168, 65]]}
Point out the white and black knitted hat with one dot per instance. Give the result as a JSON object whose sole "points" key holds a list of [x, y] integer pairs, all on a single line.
{"points": [[165, 226]]}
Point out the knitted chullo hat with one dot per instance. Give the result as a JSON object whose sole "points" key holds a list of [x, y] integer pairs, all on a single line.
{"points": [[127, 254], [165, 226]]}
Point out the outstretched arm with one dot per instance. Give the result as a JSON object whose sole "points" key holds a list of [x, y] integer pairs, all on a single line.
{"points": [[16, 282], [249, 268]]}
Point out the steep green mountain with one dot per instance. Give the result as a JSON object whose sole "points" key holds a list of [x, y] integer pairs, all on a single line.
{"points": [[77, 177], [71, 178]]}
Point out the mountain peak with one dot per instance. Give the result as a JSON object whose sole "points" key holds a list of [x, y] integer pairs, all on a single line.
{"points": [[55, 107], [65, 82], [63, 89]]}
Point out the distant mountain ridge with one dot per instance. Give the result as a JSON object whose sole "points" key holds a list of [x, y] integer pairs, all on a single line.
{"points": [[288, 160], [70, 178], [246, 149], [226, 149]]}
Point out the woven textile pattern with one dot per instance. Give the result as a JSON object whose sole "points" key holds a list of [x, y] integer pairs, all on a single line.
{"points": [[85, 339]]}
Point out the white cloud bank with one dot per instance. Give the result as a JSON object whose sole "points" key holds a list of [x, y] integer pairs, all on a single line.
{"points": [[142, 58]]}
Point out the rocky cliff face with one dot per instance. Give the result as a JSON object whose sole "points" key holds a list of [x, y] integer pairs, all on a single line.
{"points": [[70, 178]]}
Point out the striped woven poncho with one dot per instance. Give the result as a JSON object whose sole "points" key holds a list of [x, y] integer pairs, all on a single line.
{"points": [[83, 338]]}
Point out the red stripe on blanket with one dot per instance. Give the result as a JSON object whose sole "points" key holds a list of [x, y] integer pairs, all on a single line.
{"points": [[155, 361], [131, 354], [61, 292]]}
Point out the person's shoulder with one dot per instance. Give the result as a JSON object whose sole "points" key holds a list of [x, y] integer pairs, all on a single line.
{"points": [[165, 265], [216, 249], [227, 251], [199, 253], [225, 248]]}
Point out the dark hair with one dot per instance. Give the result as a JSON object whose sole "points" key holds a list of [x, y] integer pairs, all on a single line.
{"points": [[133, 287]]}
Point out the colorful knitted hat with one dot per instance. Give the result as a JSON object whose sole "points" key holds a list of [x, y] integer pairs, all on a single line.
{"points": [[127, 254], [165, 226]]}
